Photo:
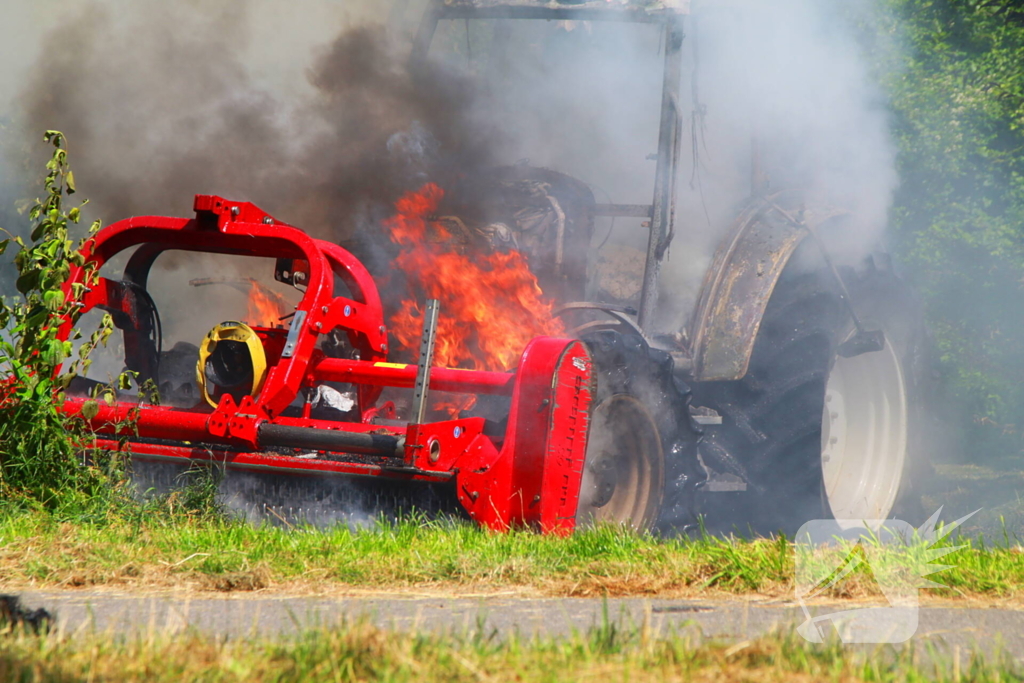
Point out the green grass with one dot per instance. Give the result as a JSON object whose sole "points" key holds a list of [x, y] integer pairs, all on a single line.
{"points": [[185, 540], [361, 652], [36, 549]]}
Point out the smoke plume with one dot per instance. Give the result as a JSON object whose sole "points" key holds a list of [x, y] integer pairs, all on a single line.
{"points": [[314, 113], [792, 78], [165, 100]]}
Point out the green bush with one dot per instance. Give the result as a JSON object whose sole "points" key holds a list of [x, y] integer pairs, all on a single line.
{"points": [[953, 73], [40, 447]]}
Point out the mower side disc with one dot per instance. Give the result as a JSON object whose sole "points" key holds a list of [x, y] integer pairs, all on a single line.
{"points": [[624, 470]]}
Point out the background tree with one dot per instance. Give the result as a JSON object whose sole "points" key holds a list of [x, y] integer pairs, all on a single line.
{"points": [[954, 72]]}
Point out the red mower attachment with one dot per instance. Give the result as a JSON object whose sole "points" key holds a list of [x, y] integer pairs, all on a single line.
{"points": [[253, 413]]}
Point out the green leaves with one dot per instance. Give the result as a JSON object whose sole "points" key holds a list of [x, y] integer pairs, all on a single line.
{"points": [[90, 409], [29, 282], [38, 443], [53, 300], [956, 90]]}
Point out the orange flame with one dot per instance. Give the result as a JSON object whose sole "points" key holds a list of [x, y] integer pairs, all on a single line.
{"points": [[491, 304], [265, 306]]}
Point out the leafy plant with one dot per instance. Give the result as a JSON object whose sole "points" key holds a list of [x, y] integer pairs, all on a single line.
{"points": [[39, 445]]}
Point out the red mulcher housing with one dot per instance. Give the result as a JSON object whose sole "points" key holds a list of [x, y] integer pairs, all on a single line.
{"points": [[529, 475]]}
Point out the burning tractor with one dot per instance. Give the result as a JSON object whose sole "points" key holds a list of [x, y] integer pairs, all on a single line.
{"points": [[789, 395]]}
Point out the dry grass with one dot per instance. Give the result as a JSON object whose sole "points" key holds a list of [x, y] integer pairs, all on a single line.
{"points": [[362, 652]]}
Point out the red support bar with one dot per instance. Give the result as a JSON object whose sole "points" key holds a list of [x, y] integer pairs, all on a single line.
{"points": [[269, 462], [148, 421], [401, 375], [184, 424]]}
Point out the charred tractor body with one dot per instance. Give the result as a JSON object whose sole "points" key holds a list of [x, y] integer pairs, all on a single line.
{"points": [[787, 396]]}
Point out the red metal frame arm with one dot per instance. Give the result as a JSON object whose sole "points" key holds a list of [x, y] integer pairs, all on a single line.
{"points": [[401, 375]]}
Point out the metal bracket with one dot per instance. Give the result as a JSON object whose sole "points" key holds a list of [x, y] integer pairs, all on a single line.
{"points": [[419, 399], [620, 313], [293, 334]]}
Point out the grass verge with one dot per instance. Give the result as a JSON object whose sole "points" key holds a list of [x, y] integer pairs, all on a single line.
{"points": [[361, 652], [213, 553]]}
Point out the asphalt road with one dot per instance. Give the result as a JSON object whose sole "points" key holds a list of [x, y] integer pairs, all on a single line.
{"points": [[944, 627]]}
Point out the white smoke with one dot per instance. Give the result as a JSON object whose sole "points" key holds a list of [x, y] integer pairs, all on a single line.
{"points": [[239, 97], [792, 75], [584, 98]]}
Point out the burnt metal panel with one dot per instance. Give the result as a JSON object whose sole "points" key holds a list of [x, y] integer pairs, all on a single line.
{"points": [[665, 184], [736, 291]]}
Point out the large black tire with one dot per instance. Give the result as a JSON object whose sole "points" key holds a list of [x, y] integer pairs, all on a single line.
{"points": [[776, 432], [641, 462]]}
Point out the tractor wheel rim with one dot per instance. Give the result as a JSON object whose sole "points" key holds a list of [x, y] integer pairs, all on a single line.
{"points": [[864, 435], [623, 471]]}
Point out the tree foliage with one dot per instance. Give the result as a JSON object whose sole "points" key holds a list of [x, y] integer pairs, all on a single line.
{"points": [[954, 71]]}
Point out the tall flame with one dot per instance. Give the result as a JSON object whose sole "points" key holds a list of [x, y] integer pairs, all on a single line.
{"points": [[266, 307], [491, 304]]}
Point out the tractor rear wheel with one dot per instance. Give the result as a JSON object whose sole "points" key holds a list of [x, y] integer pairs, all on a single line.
{"points": [[816, 434]]}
